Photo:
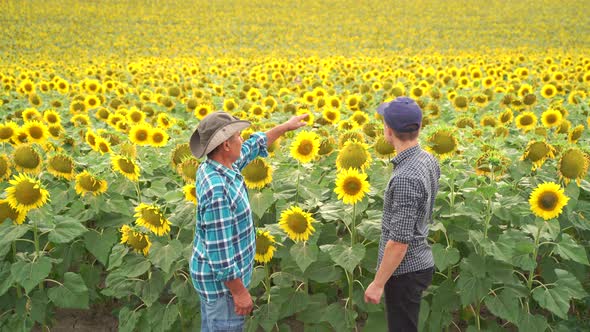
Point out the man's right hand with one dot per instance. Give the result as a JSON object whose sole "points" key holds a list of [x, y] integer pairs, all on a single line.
{"points": [[243, 303]]}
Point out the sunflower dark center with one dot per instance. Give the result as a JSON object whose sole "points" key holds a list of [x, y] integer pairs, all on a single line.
{"points": [[152, 217], [263, 243], [61, 164], [36, 132], [297, 223], [158, 137], [352, 186], [141, 135], [6, 211], [526, 120], [548, 200], [89, 183], [6, 133], [27, 193], [305, 147], [537, 151], [256, 171]]}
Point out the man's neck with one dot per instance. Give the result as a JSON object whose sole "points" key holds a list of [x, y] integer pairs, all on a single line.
{"points": [[223, 161], [401, 146]]}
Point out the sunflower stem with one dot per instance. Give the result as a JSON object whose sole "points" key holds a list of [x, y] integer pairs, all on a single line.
{"points": [[267, 281], [138, 192], [535, 251], [297, 190], [350, 278], [36, 238], [353, 228], [18, 290]]}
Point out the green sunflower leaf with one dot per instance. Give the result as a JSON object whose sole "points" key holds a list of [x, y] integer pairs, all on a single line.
{"points": [[72, 294]]}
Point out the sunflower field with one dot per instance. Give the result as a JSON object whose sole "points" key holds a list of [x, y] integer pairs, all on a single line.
{"points": [[97, 183]]}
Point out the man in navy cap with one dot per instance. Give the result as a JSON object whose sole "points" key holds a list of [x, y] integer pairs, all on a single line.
{"points": [[406, 264]]}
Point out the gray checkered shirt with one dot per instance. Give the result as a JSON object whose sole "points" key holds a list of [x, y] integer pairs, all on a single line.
{"points": [[407, 207]]}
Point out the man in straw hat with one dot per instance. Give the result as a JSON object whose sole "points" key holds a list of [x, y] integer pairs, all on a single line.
{"points": [[225, 239], [406, 264]]}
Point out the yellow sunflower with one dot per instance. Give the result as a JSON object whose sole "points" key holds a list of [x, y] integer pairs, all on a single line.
{"points": [[351, 186], [36, 131], [573, 165], [506, 117], [264, 246], [526, 121], [354, 154], [26, 159], [202, 111], [382, 148], [140, 134], [88, 183], [331, 115], [102, 145], [257, 174], [443, 142], [150, 217], [5, 171], [305, 147], [51, 117], [537, 152], [8, 130], [548, 91], [61, 165], [551, 118], [164, 121], [8, 212], [359, 117], [547, 200], [125, 166], [31, 114], [297, 223], [190, 193], [135, 116], [137, 240], [158, 137], [575, 134], [26, 193], [491, 161], [187, 169]]}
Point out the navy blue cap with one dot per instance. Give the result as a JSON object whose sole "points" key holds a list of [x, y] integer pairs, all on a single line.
{"points": [[401, 114]]}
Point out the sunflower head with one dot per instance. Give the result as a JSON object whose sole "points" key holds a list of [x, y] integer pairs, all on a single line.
{"points": [[305, 147], [331, 115], [8, 212], [26, 159], [353, 154], [4, 167], [257, 174], [547, 200], [573, 164], [443, 142], [327, 146], [382, 148], [126, 166], [264, 246], [551, 118], [179, 153], [359, 117], [37, 132], [139, 241], [526, 121], [151, 217], [158, 137], [506, 117], [537, 152], [464, 122], [351, 186], [575, 134], [190, 192], [140, 134], [372, 129], [492, 162], [8, 130], [297, 224], [187, 169], [351, 135], [61, 165], [26, 193], [88, 183]]}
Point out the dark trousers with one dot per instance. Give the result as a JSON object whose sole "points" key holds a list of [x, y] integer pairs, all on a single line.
{"points": [[403, 294]]}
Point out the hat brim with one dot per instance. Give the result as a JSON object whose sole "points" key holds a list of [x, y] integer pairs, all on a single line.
{"points": [[200, 148]]}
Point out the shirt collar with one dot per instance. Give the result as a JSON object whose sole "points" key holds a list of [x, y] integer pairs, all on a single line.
{"points": [[218, 167], [405, 155]]}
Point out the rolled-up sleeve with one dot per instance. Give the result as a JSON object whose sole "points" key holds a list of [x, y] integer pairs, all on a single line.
{"points": [[218, 226], [400, 219], [253, 147]]}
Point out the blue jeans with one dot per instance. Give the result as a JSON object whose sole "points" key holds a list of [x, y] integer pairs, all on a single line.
{"points": [[219, 316]]}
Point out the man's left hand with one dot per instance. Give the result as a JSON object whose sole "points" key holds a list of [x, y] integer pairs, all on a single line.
{"points": [[373, 293]]}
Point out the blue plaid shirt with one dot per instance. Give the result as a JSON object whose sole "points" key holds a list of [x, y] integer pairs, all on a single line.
{"points": [[225, 240]]}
